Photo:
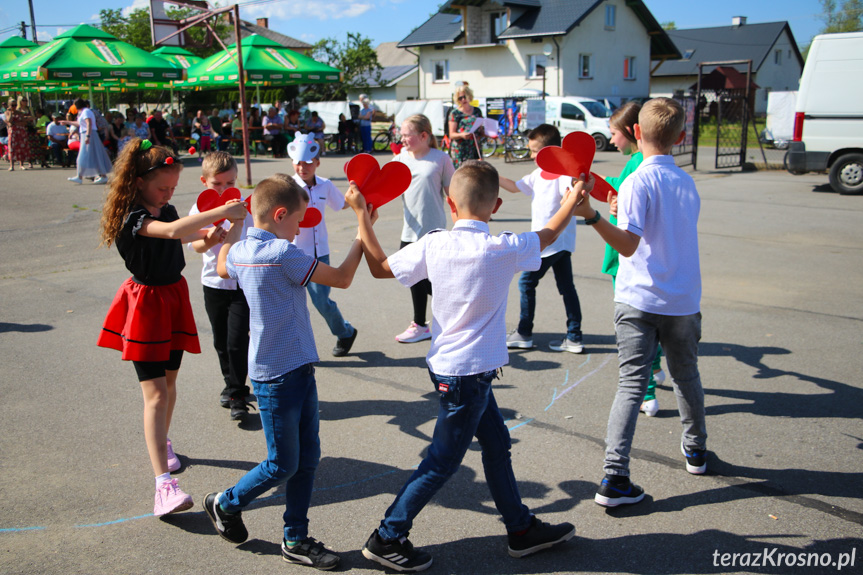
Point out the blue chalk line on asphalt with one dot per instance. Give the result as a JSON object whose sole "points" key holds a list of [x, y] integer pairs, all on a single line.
{"points": [[555, 397]]}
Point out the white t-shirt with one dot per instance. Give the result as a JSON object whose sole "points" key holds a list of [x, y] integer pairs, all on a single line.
{"points": [[471, 271], [659, 203], [58, 131], [82, 121], [315, 241], [423, 201], [209, 276], [545, 196]]}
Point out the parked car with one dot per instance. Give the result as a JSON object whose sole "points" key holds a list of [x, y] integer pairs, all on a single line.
{"points": [[828, 119], [576, 114]]}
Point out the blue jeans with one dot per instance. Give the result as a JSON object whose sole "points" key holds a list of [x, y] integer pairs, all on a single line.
{"points": [[320, 296], [366, 135], [467, 409], [561, 264], [289, 416], [638, 334]]}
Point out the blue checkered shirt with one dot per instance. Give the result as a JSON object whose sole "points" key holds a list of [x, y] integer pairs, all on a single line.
{"points": [[273, 275]]}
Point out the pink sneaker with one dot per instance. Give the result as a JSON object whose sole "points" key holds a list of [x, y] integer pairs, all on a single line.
{"points": [[170, 499], [173, 460], [414, 333]]}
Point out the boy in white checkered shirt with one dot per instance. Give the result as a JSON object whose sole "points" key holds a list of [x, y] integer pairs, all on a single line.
{"points": [[471, 271]]}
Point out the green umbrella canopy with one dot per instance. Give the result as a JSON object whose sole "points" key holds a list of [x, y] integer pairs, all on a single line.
{"points": [[87, 54], [14, 47], [265, 63], [179, 57]]}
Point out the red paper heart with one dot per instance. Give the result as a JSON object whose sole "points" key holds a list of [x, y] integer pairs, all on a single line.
{"points": [[311, 218], [210, 199], [192, 151], [572, 159], [378, 185]]}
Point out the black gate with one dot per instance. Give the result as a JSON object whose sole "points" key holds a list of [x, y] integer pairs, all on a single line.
{"points": [[723, 113]]}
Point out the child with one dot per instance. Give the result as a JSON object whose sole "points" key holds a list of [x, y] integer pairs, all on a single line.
{"points": [[472, 270], [423, 202], [224, 301], [545, 198], [206, 132], [657, 295], [622, 136], [150, 319], [127, 137], [273, 274], [305, 152]]}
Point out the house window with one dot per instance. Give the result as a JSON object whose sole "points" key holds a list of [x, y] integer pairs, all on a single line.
{"points": [[629, 68], [777, 57], [536, 65], [688, 54], [584, 66], [610, 16], [498, 25], [440, 70]]}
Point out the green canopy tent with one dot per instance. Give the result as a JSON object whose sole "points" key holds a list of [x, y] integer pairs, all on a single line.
{"points": [[179, 57], [15, 47], [88, 56]]}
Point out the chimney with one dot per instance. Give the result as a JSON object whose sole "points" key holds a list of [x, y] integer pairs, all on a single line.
{"points": [[736, 21], [265, 22]]}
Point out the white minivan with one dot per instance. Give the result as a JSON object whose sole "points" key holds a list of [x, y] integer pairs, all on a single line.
{"points": [[576, 114], [828, 119]]}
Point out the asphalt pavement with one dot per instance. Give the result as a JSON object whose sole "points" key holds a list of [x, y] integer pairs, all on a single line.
{"points": [[781, 361]]}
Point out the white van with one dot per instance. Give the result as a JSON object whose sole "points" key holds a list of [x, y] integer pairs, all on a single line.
{"points": [[828, 120], [576, 114]]}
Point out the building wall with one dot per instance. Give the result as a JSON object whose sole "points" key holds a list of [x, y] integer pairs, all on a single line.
{"points": [[784, 76], [501, 70]]}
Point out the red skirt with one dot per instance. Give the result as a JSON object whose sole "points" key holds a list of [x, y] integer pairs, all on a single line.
{"points": [[146, 322]]}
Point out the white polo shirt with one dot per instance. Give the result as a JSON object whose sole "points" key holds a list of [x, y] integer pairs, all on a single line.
{"points": [[209, 276], [315, 241], [545, 196], [470, 271], [659, 203]]}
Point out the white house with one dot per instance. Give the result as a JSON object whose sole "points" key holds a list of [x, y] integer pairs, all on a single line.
{"points": [[398, 77], [776, 61], [598, 49]]}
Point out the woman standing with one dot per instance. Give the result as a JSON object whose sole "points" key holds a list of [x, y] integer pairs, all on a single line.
{"points": [[19, 141], [93, 160], [461, 120], [366, 115]]}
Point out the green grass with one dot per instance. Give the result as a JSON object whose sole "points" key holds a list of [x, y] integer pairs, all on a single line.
{"points": [[707, 134]]}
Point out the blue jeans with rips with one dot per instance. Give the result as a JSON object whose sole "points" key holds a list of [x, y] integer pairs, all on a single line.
{"points": [[467, 409], [289, 416], [320, 296], [638, 334], [561, 264]]}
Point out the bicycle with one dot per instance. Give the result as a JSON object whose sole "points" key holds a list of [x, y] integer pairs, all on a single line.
{"points": [[514, 144], [383, 139]]}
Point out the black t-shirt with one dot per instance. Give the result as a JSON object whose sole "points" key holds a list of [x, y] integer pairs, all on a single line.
{"points": [[216, 125], [152, 261], [159, 129]]}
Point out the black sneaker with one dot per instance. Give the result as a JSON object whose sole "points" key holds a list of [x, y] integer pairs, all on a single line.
{"points": [[225, 400], [240, 408], [696, 460], [312, 552], [626, 493], [539, 536], [398, 554], [229, 525], [344, 344]]}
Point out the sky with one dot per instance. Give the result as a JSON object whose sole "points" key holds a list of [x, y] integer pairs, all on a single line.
{"points": [[393, 20]]}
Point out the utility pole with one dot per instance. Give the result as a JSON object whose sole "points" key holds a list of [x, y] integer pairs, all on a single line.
{"points": [[33, 22]]}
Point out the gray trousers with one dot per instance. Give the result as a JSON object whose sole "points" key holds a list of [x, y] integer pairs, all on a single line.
{"points": [[638, 334]]}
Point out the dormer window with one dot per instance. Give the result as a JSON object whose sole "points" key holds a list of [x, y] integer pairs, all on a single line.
{"points": [[498, 25], [688, 54]]}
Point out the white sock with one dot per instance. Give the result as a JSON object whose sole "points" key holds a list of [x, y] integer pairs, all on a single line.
{"points": [[164, 478]]}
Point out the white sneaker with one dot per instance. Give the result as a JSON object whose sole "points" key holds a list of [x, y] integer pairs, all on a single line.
{"points": [[75, 180], [650, 407], [414, 333], [659, 377], [100, 180], [518, 341], [566, 345]]}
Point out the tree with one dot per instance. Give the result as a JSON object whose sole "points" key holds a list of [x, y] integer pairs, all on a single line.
{"points": [[846, 16], [134, 28], [357, 60], [670, 25], [203, 43]]}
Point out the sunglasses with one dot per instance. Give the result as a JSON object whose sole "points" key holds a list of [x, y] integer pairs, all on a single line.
{"points": [[462, 97]]}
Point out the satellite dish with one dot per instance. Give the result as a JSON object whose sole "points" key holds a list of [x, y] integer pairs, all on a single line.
{"points": [[547, 49]]}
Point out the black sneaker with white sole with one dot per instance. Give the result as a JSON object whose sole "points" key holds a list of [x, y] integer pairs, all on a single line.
{"points": [[310, 552], [229, 525], [618, 493], [539, 536], [398, 554], [696, 460]]}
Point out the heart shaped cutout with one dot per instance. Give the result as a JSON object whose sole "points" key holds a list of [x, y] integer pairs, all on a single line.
{"points": [[573, 158], [378, 185], [311, 218], [210, 199]]}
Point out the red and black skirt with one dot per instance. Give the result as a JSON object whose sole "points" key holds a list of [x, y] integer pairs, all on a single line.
{"points": [[146, 322]]}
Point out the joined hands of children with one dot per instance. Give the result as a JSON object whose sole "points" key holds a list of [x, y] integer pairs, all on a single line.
{"points": [[581, 187], [235, 210]]}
